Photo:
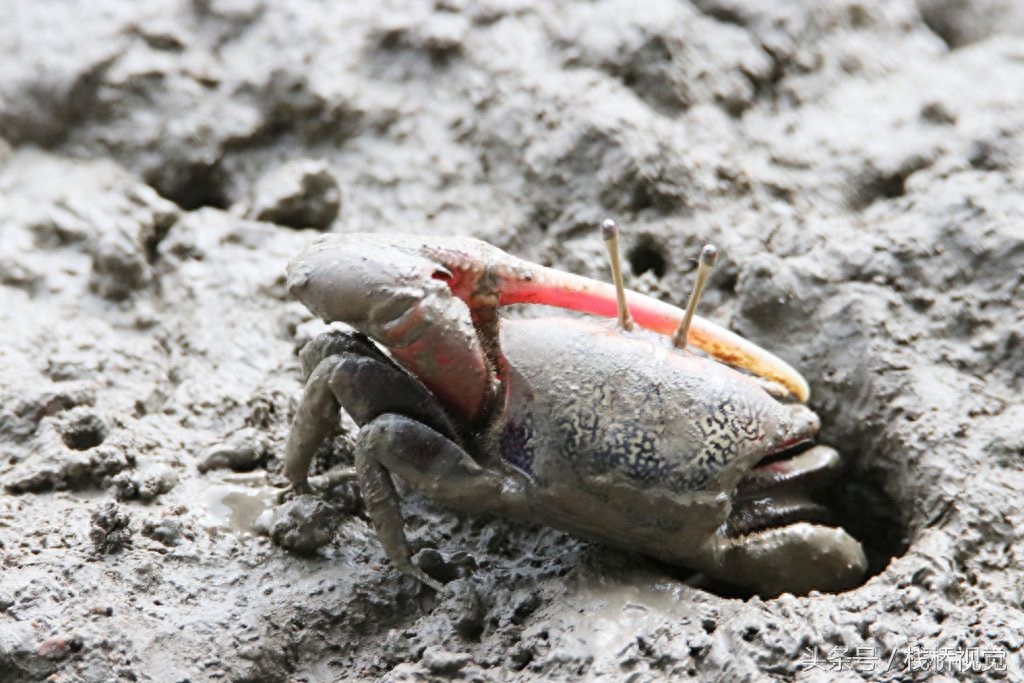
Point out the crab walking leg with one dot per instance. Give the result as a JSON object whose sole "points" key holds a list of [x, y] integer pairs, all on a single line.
{"points": [[565, 290], [341, 366], [430, 462], [315, 421], [317, 417], [381, 501]]}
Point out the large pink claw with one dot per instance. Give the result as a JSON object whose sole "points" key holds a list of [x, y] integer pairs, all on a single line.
{"points": [[565, 290], [402, 290], [487, 270]]}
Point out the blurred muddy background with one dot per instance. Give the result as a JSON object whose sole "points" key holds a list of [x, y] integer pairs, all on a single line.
{"points": [[859, 163]]}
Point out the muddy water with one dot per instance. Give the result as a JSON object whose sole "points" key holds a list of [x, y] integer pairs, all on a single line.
{"points": [[237, 503]]}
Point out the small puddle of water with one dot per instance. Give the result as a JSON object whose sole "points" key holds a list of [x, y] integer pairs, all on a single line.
{"points": [[237, 502]]}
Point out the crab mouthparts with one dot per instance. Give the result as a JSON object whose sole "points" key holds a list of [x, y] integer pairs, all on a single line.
{"points": [[778, 490]]}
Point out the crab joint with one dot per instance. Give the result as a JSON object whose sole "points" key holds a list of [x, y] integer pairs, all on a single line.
{"points": [[610, 235], [708, 256]]}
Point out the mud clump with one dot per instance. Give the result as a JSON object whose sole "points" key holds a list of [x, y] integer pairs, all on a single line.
{"points": [[145, 485], [244, 451], [301, 194], [304, 524], [110, 532], [165, 531], [20, 415], [441, 662]]}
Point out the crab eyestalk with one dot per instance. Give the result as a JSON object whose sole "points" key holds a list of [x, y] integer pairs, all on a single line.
{"points": [[610, 235], [708, 256]]}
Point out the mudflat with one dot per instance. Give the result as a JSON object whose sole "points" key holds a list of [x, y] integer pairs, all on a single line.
{"points": [[858, 163]]}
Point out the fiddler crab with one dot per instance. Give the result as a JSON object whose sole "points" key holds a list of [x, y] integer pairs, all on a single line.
{"points": [[614, 431]]}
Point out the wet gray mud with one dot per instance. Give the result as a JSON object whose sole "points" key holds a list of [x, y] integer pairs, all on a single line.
{"points": [[858, 162]]}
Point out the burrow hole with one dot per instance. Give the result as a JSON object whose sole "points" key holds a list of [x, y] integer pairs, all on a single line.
{"points": [[84, 431], [647, 256]]}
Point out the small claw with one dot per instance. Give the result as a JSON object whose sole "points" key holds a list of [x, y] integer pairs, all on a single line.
{"points": [[794, 559], [394, 290], [331, 479]]}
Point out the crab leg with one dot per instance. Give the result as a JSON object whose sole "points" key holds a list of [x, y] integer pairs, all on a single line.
{"points": [[574, 292]]}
